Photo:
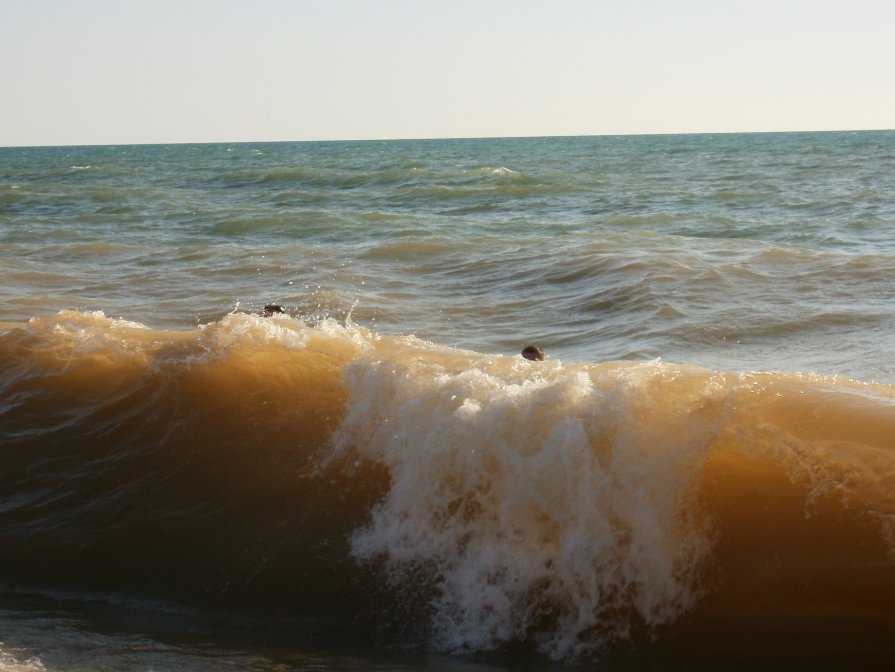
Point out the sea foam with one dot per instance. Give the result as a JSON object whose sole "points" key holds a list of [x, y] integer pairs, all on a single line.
{"points": [[554, 502]]}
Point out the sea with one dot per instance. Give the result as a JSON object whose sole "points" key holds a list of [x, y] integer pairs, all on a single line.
{"points": [[700, 475]]}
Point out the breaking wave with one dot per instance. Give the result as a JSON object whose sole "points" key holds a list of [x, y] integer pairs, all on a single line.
{"points": [[325, 469]]}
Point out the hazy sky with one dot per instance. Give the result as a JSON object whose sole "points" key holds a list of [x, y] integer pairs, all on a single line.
{"points": [[133, 71]]}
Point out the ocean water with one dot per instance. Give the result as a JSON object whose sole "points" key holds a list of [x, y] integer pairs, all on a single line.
{"points": [[701, 474]]}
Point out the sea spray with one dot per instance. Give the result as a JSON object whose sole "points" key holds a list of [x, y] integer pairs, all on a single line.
{"points": [[550, 502]]}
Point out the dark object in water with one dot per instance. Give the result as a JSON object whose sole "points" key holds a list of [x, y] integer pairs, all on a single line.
{"points": [[534, 353], [271, 309]]}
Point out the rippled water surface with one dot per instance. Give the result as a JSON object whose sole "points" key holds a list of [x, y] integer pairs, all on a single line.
{"points": [[756, 251]]}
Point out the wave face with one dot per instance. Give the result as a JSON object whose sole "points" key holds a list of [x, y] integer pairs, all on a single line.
{"points": [[476, 501]]}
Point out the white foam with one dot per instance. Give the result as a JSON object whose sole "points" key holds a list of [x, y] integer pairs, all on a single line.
{"points": [[503, 171], [549, 502], [10, 663], [240, 330]]}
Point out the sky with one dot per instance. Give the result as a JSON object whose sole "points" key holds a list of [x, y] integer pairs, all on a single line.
{"points": [[159, 71]]}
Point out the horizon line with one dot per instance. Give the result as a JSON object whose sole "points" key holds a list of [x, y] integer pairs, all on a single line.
{"points": [[439, 138]]}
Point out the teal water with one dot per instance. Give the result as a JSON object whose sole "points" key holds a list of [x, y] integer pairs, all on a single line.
{"points": [[756, 251]]}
